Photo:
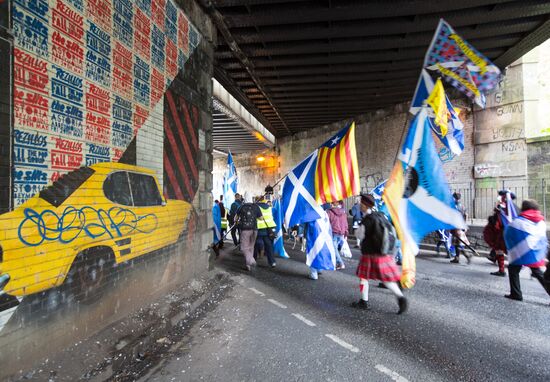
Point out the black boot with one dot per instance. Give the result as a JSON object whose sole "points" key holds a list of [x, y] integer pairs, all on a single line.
{"points": [[361, 304], [403, 305]]}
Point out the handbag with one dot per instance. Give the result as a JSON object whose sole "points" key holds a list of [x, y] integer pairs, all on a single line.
{"points": [[346, 251]]}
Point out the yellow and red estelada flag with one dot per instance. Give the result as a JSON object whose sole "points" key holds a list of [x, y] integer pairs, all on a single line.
{"points": [[337, 173]]}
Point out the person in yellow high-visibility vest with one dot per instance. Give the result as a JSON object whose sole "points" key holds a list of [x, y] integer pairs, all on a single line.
{"points": [[266, 233]]}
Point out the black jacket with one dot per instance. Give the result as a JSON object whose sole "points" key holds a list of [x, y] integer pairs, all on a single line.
{"points": [[374, 233]]}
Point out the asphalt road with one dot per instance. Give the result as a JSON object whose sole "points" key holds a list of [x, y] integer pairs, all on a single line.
{"points": [[277, 325]]}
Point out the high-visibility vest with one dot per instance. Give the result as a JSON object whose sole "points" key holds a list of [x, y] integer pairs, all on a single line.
{"points": [[266, 221], [224, 220]]}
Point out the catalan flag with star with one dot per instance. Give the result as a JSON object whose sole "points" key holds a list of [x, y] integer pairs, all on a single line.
{"points": [[337, 173]]}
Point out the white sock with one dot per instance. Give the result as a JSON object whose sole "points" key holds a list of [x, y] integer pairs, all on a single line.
{"points": [[392, 286], [364, 288]]}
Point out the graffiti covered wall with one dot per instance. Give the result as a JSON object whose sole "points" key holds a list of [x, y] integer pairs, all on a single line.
{"points": [[87, 75], [104, 165]]}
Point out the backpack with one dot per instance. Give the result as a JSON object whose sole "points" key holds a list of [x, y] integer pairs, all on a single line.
{"points": [[247, 216], [380, 236]]}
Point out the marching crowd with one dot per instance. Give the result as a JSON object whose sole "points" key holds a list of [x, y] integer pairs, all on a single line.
{"points": [[252, 228]]}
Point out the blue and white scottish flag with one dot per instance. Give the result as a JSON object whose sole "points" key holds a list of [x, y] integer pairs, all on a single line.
{"points": [[320, 251], [299, 206], [230, 182], [424, 87], [508, 214], [278, 243], [298, 200], [427, 204], [526, 241]]}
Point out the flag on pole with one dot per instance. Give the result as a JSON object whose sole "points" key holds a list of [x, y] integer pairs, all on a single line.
{"points": [[328, 174], [230, 182], [417, 194], [298, 200], [438, 103], [278, 243], [454, 140], [320, 251], [508, 214], [424, 88], [337, 173], [217, 220], [526, 241], [461, 64]]}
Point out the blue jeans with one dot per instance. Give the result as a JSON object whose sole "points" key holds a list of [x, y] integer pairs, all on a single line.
{"points": [[265, 243], [338, 241]]}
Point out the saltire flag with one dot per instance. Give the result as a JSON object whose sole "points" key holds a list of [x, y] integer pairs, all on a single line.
{"points": [[377, 193], [217, 218], [299, 207], [437, 101], [424, 88], [461, 64], [417, 194], [230, 182], [337, 173], [454, 140], [526, 241], [278, 243], [508, 214], [298, 201], [327, 175], [320, 250]]}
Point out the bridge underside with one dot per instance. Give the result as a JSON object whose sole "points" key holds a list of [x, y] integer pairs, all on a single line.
{"points": [[300, 64]]}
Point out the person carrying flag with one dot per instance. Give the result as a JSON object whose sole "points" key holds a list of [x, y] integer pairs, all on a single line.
{"points": [[493, 233], [527, 245], [378, 240], [231, 217]]}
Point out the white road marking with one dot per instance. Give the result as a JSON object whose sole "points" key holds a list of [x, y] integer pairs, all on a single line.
{"points": [[393, 375], [257, 291], [303, 319], [277, 303], [342, 343]]}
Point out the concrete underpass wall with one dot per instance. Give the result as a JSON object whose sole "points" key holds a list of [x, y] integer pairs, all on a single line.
{"points": [[253, 176], [378, 137], [108, 189]]}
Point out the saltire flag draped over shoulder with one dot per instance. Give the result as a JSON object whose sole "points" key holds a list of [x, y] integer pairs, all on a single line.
{"points": [[461, 64], [320, 251], [337, 174], [230, 182], [526, 241], [278, 243], [417, 194]]}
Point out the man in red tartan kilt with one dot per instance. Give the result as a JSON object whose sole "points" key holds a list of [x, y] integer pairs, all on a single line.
{"points": [[374, 264]]}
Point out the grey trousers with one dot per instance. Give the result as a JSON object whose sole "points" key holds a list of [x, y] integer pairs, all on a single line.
{"points": [[248, 239]]}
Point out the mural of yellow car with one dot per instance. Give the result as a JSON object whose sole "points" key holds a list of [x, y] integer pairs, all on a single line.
{"points": [[82, 225]]}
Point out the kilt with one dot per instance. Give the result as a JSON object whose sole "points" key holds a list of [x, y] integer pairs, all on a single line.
{"points": [[378, 267]]}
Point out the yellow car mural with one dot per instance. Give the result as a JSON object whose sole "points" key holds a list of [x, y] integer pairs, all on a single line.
{"points": [[83, 225]]}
